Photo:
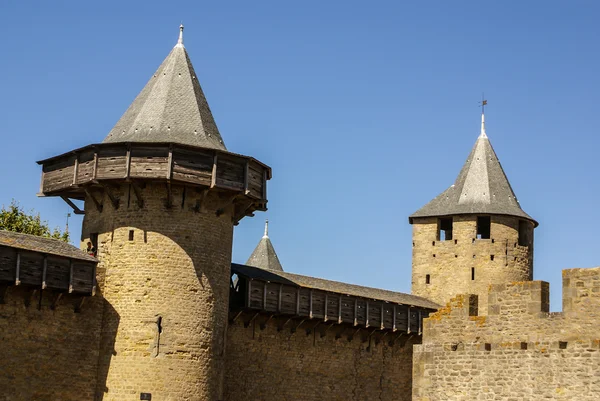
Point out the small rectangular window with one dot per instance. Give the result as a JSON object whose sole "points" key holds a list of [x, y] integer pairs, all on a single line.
{"points": [[130, 235], [427, 279], [483, 227], [445, 229], [523, 233], [472, 273]]}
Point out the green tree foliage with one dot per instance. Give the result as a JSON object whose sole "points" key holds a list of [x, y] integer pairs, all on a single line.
{"points": [[14, 218]]}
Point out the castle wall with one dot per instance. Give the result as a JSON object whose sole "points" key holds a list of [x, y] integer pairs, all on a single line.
{"points": [[45, 354], [265, 365], [449, 263], [518, 351], [164, 272]]}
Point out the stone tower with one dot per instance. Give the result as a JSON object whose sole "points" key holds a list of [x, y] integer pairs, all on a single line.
{"points": [[162, 195], [473, 234]]}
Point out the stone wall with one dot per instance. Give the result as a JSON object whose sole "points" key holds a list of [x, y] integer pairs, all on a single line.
{"points": [[464, 264], [46, 354], [518, 351], [267, 364], [164, 272]]}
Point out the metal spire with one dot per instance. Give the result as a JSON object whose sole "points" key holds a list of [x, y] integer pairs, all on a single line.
{"points": [[483, 104], [266, 229], [180, 41]]}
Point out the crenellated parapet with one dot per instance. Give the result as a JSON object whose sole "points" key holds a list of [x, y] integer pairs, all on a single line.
{"points": [[518, 342]]}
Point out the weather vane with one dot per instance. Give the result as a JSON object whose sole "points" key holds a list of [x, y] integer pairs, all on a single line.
{"points": [[483, 103]]}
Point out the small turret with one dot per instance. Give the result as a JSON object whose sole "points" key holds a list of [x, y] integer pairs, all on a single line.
{"points": [[473, 234], [264, 255]]}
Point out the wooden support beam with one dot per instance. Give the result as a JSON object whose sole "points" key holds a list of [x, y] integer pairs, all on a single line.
{"points": [[310, 329], [419, 316], [94, 280], [235, 316], [408, 321], [69, 202], [44, 272], [296, 327], [298, 301], [28, 295], [326, 305], [392, 342], [138, 194], [382, 306], [379, 339], [70, 276], [280, 326], [247, 322], [55, 299], [169, 200], [368, 337], [340, 310], [75, 170], [310, 304], [248, 292], [351, 336], [367, 315], [94, 200], [404, 339], [18, 269], [128, 162], [114, 200], [263, 324], [79, 304], [95, 165], [279, 296], [170, 163], [200, 201], [264, 305], [213, 178], [355, 311], [246, 180], [264, 184], [225, 203], [323, 333]]}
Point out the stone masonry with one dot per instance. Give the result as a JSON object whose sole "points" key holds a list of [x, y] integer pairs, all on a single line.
{"points": [[164, 273], [312, 365], [518, 351], [464, 264]]}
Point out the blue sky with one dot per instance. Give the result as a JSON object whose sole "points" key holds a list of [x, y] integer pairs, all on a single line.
{"points": [[365, 111]]}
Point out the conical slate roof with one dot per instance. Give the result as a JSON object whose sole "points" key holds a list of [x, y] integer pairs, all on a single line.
{"points": [[480, 188], [264, 255], [170, 108]]}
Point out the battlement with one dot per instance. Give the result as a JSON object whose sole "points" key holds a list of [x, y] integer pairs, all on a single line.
{"points": [[518, 337]]}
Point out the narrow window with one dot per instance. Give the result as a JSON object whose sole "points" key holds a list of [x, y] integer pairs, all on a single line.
{"points": [[523, 346], [427, 279], [492, 257], [145, 236], [445, 229], [562, 344], [523, 233], [130, 235], [488, 347], [483, 227], [92, 245], [472, 273]]}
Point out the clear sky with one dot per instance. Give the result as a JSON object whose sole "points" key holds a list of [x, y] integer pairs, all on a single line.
{"points": [[364, 110]]}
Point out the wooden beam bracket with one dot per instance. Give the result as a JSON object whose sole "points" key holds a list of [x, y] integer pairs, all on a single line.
{"points": [[169, 200], [281, 326], [114, 200], [138, 194], [263, 324], [234, 317], [55, 299], [29, 295], [75, 208], [293, 329], [79, 304], [311, 329], [247, 322], [96, 202], [3, 292]]}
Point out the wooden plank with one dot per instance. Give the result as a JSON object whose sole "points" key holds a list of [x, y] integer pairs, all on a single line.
{"points": [[279, 298], [394, 320], [95, 168], [298, 301], [128, 162], [170, 164], [264, 184], [355, 311], [408, 321], [246, 190], [310, 304], [382, 325], [367, 315], [264, 305], [420, 322], [340, 310], [248, 290], [94, 279], [326, 305]]}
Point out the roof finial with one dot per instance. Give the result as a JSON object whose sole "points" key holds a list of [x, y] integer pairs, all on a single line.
{"points": [[180, 41], [483, 104], [266, 229]]}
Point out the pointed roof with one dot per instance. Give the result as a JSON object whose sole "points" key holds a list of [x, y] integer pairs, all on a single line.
{"points": [[264, 255], [170, 108], [481, 187]]}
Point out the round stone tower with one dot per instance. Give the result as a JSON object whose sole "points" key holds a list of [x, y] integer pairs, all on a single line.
{"points": [[162, 195], [473, 234]]}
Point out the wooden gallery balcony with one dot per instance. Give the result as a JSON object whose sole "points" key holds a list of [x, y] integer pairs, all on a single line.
{"points": [[74, 174], [37, 263], [294, 299]]}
